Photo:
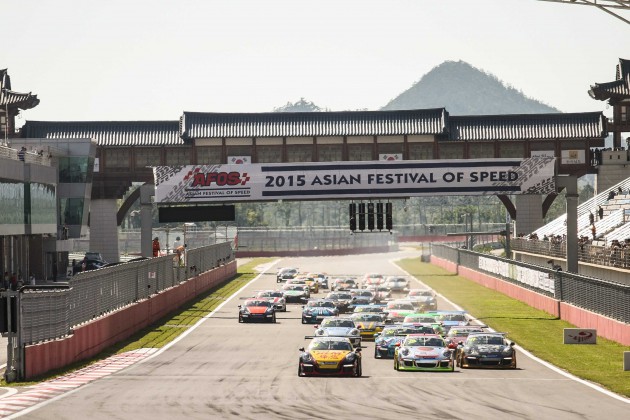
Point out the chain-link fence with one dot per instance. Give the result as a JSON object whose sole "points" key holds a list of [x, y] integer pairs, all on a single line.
{"points": [[603, 297], [51, 313]]}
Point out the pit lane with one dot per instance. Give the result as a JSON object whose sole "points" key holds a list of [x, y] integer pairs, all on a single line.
{"points": [[224, 369]]}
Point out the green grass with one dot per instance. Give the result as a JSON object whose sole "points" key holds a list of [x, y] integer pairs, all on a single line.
{"points": [[168, 328], [536, 331]]}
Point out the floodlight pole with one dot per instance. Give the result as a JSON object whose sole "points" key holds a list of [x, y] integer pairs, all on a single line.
{"points": [[569, 183]]}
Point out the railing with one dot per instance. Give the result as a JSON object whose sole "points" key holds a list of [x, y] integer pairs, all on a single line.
{"points": [[600, 296], [50, 314]]}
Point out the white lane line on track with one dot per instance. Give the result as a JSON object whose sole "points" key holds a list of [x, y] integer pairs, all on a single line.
{"points": [[531, 356], [197, 324]]}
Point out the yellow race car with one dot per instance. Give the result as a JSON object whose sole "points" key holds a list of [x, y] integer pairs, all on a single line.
{"points": [[330, 356], [368, 323], [311, 282]]}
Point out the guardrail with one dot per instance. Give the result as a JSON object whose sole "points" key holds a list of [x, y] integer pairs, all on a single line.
{"points": [[50, 314], [603, 297]]}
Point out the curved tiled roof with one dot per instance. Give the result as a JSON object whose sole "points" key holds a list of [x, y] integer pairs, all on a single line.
{"points": [[108, 133], [14, 99], [527, 126], [306, 124], [619, 89]]}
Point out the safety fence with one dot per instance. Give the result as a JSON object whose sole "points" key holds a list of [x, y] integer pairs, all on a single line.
{"points": [[47, 314], [603, 297]]}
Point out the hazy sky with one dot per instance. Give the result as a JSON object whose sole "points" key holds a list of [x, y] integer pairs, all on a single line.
{"points": [[154, 59]]}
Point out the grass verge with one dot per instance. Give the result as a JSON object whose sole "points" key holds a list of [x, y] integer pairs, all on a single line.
{"points": [[168, 328], [536, 331]]}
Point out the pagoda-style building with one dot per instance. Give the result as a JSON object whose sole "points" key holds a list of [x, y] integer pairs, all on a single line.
{"points": [[10, 105], [617, 94]]}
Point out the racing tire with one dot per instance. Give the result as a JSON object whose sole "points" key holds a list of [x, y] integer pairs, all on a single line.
{"points": [[359, 370], [300, 370], [376, 354], [303, 321], [452, 364], [240, 319]]}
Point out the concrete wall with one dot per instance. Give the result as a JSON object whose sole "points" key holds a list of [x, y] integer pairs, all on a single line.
{"points": [[90, 339], [581, 318], [316, 252]]}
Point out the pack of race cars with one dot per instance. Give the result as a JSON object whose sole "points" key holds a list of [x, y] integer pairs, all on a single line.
{"points": [[404, 323]]}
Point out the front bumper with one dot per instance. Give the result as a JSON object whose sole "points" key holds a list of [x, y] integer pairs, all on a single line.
{"points": [[313, 319], [257, 317], [309, 369], [425, 364], [384, 352], [488, 362]]}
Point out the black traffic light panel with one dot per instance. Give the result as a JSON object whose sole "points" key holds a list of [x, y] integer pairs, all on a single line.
{"points": [[353, 216], [370, 216], [361, 216], [389, 219], [379, 216]]}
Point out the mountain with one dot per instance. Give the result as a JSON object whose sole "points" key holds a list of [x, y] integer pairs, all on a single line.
{"points": [[465, 90]]}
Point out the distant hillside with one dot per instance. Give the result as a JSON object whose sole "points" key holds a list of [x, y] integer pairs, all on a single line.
{"points": [[465, 90]]}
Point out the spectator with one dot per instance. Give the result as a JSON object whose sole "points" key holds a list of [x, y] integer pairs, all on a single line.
{"points": [[176, 244], [21, 153], [84, 264], [5, 281], [611, 195], [156, 247], [591, 218], [619, 191], [31, 280], [593, 231], [600, 210]]}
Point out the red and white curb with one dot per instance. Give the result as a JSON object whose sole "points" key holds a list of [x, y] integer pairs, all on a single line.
{"points": [[44, 391]]}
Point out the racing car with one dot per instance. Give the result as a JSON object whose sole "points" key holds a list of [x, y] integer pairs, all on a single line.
{"points": [[339, 327], [286, 273], [368, 324], [424, 298], [330, 356], [296, 293], [422, 352], [274, 296], [342, 300], [487, 350], [451, 318], [385, 342], [316, 310], [256, 310]]}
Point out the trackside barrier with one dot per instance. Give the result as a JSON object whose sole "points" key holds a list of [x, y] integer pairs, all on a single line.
{"points": [[99, 308], [583, 301]]}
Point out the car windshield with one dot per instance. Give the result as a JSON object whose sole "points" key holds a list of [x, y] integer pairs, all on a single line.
{"points": [[330, 345], [424, 341], [294, 287], [257, 303], [321, 304], [395, 305], [270, 294], [452, 317], [453, 332], [340, 296], [367, 317], [337, 322], [421, 293], [486, 339], [412, 318]]}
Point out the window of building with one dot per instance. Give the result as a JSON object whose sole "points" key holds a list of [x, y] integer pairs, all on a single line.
{"points": [[11, 203], [269, 154], [41, 207], [147, 156], [208, 155], [623, 117], [360, 151], [75, 169], [480, 150], [515, 149], [71, 211], [420, 151], [117, 159], [453, 150], [299, 152], [329, 152], [178, 156]]}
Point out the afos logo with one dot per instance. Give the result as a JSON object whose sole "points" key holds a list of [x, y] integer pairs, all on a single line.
{"points": [[220, 179]]}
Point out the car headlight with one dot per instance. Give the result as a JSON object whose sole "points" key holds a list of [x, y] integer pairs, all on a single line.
{"points": [[354, 332], [405, 352], [446, 353], [245, 311], [350, 357], [471, 350], [269, 310], [507, 350], [282, 301], [307, 358], [319, 332]]}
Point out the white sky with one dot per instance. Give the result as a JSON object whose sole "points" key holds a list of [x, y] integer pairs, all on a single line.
{"points": [[154, 59]]}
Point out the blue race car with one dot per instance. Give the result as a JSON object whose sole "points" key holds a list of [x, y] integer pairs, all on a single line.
{"points": [[316, 310], [385, 342]]}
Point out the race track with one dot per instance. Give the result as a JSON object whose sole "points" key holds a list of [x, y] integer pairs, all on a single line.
{"points": [[224, 369]]}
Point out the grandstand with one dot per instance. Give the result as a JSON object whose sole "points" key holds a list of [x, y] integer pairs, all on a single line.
{"points": [[614, 225]]}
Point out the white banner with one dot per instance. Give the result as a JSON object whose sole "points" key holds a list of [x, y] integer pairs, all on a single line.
{"points": [[338, 180]]}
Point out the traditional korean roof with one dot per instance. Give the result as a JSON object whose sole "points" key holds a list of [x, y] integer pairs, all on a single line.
{"points": [[108, 133], [527, 126], [197, 125], [9, 98], [617, 90]]}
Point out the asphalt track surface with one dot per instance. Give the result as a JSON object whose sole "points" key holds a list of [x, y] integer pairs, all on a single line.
{"points": [[223, 369]]}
